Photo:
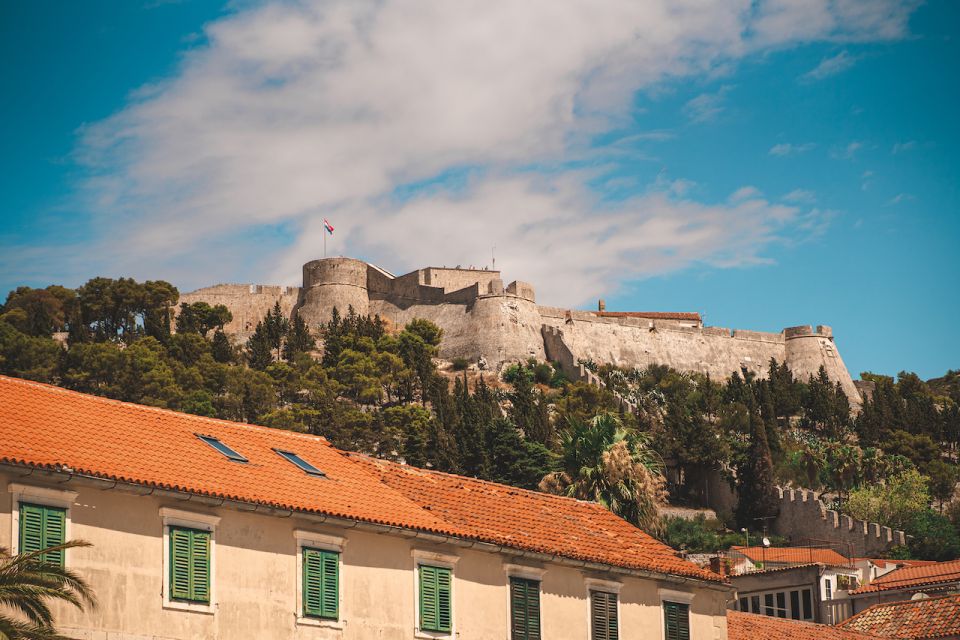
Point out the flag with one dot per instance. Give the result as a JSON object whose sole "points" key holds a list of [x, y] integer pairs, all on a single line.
{"points": [[328, 226]]}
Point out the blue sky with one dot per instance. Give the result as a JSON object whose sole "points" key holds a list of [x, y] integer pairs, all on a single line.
{"points": [[766, 163]]}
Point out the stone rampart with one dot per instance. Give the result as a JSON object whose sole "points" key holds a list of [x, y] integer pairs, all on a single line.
{"points": [[804, 517], [559, 353], [248, 303]]}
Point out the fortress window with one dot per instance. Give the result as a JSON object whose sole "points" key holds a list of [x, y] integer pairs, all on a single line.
{"points": [[300, 462], [222, 448]]}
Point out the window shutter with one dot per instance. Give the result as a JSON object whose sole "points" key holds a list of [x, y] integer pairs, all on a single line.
{"points": [[42, 527], [435, 598], [676, 620], [524, 609], [200, 564], [444, 604], [603, 608], [180, 563], [54, 534], [330, 597], [312, 582]]}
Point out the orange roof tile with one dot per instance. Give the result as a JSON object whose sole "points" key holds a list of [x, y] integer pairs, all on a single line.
{"points": [[531, 520], [753, 626], [915, 576], [927, 618], [804, 555], [53, 428]]}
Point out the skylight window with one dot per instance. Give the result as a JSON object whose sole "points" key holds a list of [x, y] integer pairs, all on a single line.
{"points": [[300, 462], [222, 448]]}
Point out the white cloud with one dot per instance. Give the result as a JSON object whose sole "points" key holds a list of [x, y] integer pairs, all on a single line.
{"points": [[849, 151], [296, 110], [706, 106], [900, 147], [830, 67], [787, 149], [900, 197], [800, 196]]}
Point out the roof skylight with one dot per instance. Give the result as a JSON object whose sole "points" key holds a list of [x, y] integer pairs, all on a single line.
{"points": [[300, 462], [222, 448]]}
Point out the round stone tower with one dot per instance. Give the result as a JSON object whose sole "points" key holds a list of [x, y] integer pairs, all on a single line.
{"points": [[807, 349], [333, 282]]}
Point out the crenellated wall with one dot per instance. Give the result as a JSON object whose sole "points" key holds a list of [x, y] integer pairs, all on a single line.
{"points": [[804, 517], [248, 303]]}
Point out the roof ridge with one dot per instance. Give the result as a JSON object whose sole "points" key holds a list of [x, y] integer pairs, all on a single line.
{"points": [[145, 407]]}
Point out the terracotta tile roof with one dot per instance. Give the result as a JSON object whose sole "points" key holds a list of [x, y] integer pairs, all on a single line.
{"points": [[531, 520], [793, 555], [753, 626], [53, 428], [915, 576], [927, 618], [653, 315]]}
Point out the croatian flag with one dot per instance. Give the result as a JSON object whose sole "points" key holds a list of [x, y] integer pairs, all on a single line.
{"points": [[328, 226]]}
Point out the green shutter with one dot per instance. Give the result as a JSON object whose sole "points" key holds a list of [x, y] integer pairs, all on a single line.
{"points": [[321, 591], [436, 607], [676, 621], [524, 609], [42, 527], [603, 614], [189, 564]]}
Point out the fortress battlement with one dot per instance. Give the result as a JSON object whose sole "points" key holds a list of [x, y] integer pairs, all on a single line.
{"points": [[483, 317]]}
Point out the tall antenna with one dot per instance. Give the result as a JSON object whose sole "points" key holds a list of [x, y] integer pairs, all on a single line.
{"points": [[493, 256]]}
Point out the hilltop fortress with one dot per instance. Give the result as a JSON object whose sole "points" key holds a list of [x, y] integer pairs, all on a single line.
{"points": [[483, 318]]}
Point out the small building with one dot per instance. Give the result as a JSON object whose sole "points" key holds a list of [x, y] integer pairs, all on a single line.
{"points": [[911, 619], [928, 579], [204, 529], [798, 592]]}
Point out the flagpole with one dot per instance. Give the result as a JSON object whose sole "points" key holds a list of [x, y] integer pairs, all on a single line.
{"points": [[324, 242]]}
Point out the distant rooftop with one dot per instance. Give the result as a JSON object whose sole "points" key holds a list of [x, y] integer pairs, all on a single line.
{"points": [[926, 618]]}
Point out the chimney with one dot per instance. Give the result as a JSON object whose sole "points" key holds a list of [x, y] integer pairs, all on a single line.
{"points": [[720, 566], [601, 306]]}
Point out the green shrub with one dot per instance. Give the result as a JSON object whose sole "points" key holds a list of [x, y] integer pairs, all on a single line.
{"points": [[460, 364]]}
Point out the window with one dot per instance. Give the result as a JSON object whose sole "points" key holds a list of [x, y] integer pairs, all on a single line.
{"points": [[222, 448], [768, 604], [189, 565], [435, 599], [604, 624], [321, 577], [781, 604], [828, 587], [189, 558], [807, 604], [320, 580], [524, 609], [300, 462], [795, 605], [755, 604], [42, 527], [676, 621], [745, 604]]}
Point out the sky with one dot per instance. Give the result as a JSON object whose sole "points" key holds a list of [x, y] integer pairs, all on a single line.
{"points": [[768, 163]]}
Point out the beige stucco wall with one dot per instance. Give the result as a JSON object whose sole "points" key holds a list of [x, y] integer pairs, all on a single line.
{"points": [[255, 581]]}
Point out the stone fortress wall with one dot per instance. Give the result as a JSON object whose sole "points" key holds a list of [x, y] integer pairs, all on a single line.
{"points": [[483, 317]]}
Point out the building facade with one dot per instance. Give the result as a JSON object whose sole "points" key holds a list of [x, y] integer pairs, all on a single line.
{"points": [[207, 529]]}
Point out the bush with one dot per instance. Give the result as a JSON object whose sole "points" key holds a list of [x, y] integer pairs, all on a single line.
{"points": [[513, 372], [934, 537], [542, 373], [460, 364]]}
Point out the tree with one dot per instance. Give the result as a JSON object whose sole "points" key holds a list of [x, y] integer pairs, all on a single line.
{"points": [[933, 537], [200, 317], [755, 489], [893, 503], [512, 459], [603, 462], [275, 328], [298, 339], [943, 481], [28, 583]]}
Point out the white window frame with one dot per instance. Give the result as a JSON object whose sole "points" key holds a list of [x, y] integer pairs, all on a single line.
{"points": [[204, 522], [434, 559], [608, 586], [527, 573], [678, 597], [59, 498], [325, 542]]}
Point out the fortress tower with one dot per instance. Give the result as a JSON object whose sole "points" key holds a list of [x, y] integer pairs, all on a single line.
{"points": [[481, 317]]}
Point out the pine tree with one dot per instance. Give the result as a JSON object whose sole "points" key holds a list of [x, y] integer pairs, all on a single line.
{"points": [[298, 339], [259, 348], [470, 431], [221, 348], [275, 327], [755, 489]]}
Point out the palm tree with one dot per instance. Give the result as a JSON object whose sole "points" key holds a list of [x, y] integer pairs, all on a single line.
{"points": [[606, 463], [28, 582]]}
